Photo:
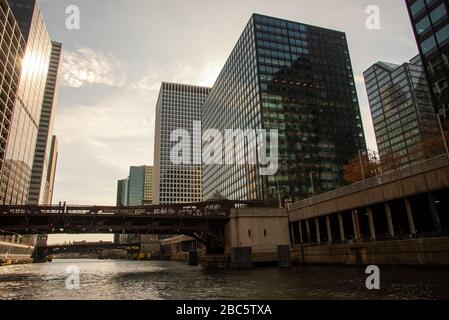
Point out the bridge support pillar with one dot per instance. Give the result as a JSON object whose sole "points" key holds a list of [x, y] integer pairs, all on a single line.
{"points": [[434, 212], [193, 258], [355, 223], [292, 234], [309, 234], [301, 236], [389, 219], [241, 258], [411, 223], [329, 230], [318, 234], [342, 227], [372, 227]]}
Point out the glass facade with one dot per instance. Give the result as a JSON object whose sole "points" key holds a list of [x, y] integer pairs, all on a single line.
{"points": [[298, 79], [122, 192], [136, 186], [17, 167], [401, 108], [430, 21], [12, 52]]}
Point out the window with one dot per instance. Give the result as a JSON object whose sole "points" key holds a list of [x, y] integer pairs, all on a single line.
{"points": [[428, 45], [417, 7], [423, 25], [443, 34], [438, 13]]}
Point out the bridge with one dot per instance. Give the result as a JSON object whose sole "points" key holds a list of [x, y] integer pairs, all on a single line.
{"points": [[203, 221], [41, 253], [403, 214]]}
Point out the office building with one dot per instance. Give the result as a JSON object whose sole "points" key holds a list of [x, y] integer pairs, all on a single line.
{"points": [[135, 191], [26, 50], [298, 79], [122, 192], [401, 108], [51, 171], [430, 21], [148, 186], [178, 107], [40, 185]]}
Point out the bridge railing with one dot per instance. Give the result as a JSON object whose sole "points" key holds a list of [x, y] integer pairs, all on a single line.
{"points": [[210, 208], [425, 166]]}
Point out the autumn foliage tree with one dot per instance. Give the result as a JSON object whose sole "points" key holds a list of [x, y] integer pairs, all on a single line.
{"points": [[353, 170], [373, 165]]}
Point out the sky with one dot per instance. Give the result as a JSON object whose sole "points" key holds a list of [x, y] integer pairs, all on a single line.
{"points": [[115, 62]]}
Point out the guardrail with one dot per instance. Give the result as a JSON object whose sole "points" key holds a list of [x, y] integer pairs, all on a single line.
{"points": [[419, 168]]}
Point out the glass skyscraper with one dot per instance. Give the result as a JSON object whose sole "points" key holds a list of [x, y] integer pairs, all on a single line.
{"points": [[430, 21], [18, 159], [401, 108], [298, 79]]}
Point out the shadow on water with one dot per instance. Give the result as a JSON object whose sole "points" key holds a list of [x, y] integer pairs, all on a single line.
{"points": [[173, 280]]}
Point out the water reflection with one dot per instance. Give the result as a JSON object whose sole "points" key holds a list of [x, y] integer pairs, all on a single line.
{"points": [[172, 280]]}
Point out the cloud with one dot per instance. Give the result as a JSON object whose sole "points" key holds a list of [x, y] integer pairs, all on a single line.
{"points": [[178, 71], [87, 67]]}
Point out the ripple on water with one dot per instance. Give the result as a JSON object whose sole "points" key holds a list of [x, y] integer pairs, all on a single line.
{"points": [[116, 280]]}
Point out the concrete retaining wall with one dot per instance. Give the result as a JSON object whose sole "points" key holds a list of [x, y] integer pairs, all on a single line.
{"points": [[430, 252]]}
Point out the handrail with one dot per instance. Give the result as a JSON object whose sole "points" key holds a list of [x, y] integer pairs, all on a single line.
{"points": [[391, 176]]}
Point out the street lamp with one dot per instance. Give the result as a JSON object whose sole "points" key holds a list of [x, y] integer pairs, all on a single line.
{"points": [[361, 164], [312, 183]]}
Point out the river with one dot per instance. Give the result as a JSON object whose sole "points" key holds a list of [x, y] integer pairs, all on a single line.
{"points": [[113, 280]]}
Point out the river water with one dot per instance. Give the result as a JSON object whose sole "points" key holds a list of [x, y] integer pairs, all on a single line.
{"points": [[114, 280]]}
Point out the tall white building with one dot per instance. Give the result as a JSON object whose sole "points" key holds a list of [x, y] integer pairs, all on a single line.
{"points": [[178, 107]]}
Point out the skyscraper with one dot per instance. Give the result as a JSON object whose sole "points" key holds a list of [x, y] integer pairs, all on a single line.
{"points": [[51, 171], [430, 21], [136, 186], [134, 191], [298, 79], [42, 157], [148, 186], [26, 50], [401, 108], [23, 129], [122, 192], [178, 106]]}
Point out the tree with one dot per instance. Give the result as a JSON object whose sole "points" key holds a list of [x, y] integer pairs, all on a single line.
{"points": [[353, 170]]}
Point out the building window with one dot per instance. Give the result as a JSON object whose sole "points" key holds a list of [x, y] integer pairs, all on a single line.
{"points": [[428, 45], [417, 7], [423, 25]]}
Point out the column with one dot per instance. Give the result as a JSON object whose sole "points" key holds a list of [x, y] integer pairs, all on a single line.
{"points": [[329, 230], [292, 234], [411, 223], [355, 223], [342, 227], [389, 219], [301, 238], [372, 228], [309, 234], [318, 234], [434, 211]]}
